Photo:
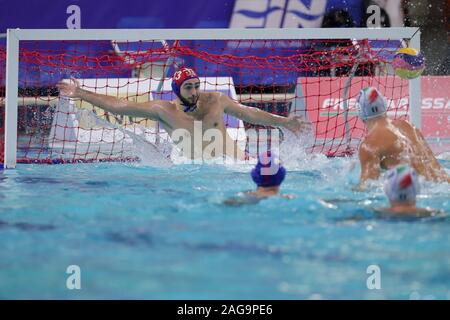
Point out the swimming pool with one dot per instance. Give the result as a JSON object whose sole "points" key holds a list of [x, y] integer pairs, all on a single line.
{"points": [[140, 232]]}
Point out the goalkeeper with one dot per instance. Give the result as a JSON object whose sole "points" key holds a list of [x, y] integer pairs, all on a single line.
{"points": [[191, 108]]}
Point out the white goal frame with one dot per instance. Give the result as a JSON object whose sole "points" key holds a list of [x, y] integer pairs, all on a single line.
{"points": [[14, 36]]}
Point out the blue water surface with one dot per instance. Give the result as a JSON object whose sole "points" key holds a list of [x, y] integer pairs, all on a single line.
{"points": [[140, 232]]}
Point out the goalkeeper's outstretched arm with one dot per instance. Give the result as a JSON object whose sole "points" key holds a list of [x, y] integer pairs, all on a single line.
{"points": [[257, 116], [121, 106]]}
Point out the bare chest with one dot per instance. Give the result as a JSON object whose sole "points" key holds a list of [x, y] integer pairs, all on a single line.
{"points": [[210, 117]]}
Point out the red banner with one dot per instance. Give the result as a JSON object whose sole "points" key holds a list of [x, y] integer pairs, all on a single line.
{"points": [[436, 106], [326, 105]]}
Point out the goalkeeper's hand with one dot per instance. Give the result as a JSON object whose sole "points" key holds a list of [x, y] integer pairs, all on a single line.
{"points": [[297, 124], [71, 89]]}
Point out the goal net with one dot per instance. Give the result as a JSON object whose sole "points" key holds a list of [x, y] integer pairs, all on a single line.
{"points": [[314, 73]]}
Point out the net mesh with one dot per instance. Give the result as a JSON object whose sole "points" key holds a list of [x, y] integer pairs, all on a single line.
{"points": [[319, 79]]}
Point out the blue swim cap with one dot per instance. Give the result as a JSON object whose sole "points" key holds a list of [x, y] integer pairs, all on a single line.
{"points": [[402, 184], [371, 103], [268, 172]]}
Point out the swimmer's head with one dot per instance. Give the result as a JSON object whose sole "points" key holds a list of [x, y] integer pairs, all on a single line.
{"points": [[188, 94], [268, 172], [371, 103], [402, 184]]}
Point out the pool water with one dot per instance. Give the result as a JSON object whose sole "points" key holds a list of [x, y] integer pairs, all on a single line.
{"points": [[140, 232]]}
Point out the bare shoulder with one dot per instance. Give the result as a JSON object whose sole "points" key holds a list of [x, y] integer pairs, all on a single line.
{"points": [[210, 96], [402, 122], [170, 105], [409, 129], [165, 103], [382, 137], [164, 106], [213, 99], [154, 104], [399, 123], [167, 110], [221, 97]]}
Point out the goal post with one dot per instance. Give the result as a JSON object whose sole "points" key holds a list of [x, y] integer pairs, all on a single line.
{"points": [[263, 54]]}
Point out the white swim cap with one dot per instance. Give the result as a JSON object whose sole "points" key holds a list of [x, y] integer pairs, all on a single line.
{"points": [[402, 184], [371, 103]]}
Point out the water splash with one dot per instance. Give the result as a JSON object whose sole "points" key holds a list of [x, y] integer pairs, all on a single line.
{"points": [[75, 125], [151, 154]]}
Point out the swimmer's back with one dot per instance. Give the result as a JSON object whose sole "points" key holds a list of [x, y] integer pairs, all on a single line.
{"points": [[421, 156], [400, 142]]}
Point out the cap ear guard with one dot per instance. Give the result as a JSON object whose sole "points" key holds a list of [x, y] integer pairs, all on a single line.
{"points": [[175, 88]]}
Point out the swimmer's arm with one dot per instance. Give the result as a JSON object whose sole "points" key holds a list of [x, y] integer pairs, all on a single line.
{"points": [[427, 148], [417, 213], [288, 196], [234, 202], [260, 117], [243, 199], [120, 106], [250, 114], [370, 166], [434, 163]]}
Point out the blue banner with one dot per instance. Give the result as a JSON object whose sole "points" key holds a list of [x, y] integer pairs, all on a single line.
{"points": [[39, 14]]}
